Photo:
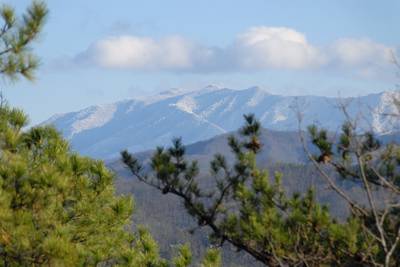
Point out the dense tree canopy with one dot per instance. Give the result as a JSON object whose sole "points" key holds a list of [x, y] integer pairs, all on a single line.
{"points": [[60, 209]]}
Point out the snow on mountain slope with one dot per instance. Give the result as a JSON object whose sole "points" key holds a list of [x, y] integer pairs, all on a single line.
{"points": [[103, 131]]}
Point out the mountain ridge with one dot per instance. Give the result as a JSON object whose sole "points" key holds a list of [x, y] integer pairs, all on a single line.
{"points": [[101, 131]]}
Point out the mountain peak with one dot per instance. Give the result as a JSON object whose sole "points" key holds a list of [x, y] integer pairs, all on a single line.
{"points": [[173, 92], [212, 87], [257, 89], [102, 131], [163, 95]]}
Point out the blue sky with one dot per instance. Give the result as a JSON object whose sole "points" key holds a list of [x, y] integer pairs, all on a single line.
{"points": [[97, 51]]}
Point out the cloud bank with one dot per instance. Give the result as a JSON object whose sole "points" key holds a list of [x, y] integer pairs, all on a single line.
{"points": [[259, 48]]}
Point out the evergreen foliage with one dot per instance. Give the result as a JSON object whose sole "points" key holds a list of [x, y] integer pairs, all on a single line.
{"points": [[17, 35], [252, 213], [60, 209], [361, 159]]}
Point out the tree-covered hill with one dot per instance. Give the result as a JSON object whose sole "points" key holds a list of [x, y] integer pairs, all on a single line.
{"points": [[170, 224]]}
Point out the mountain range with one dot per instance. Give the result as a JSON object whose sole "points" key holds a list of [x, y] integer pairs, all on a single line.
{"points": [[102, 131]]}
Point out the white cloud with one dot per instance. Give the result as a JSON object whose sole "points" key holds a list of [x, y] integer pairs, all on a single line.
{"points": [[362, 57], [266, 47], [173, 53], [360, 52], [258, 48], [142, 53]]}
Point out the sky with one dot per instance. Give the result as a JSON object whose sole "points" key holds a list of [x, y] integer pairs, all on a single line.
{"points": [[97, 51]]}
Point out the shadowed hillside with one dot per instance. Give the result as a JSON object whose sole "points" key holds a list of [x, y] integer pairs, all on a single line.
{"points": [[169, 222]]}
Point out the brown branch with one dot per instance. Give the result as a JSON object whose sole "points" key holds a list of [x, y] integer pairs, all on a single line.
{"points": [[393, 248], [331, 183], [206, 219]]}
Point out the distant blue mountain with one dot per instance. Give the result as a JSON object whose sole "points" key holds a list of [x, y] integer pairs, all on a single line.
{"points": [[141, 124]]}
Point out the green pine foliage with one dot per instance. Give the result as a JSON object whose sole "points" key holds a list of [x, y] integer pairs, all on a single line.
{"points": [[358, 157], [17, 35], [60, 209], [250, 210], [212, 258]]}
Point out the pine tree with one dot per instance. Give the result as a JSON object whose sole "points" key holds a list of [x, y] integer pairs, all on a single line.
{"points": [[56, 207], [360, 158], [252, 212], [16, 37], [60, 209]]}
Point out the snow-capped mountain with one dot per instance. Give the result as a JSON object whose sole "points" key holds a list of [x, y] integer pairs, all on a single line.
{"points": [[140, 124]]}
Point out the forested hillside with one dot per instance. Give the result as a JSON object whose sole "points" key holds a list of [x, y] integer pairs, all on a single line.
{"points": [[170, 224]]}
